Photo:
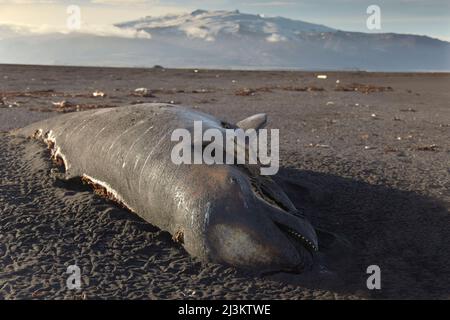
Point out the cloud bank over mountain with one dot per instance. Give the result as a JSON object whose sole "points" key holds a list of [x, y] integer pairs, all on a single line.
{"points": [[23, 30]]}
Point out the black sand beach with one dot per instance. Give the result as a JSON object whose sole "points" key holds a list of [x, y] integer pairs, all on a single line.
{"points": [[372, 149]]}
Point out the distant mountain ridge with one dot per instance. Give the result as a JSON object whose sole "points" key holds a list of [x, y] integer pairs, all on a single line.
{"points": [[227, 39]]}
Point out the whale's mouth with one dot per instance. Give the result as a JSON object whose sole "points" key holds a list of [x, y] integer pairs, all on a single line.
{"points": [[288, 219], [297, 239]]}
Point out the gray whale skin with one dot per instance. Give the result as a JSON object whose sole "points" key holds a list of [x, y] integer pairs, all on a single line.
{"points": [[225, 214]]}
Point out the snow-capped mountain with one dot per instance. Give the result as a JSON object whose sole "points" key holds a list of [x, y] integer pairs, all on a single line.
{"points": [[210, 25], [225, 39]]}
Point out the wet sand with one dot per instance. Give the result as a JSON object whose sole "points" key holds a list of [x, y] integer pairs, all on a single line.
{"points": [[372, 151]]}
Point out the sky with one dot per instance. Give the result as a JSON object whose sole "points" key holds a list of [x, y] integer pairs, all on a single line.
{"points": [[423, 17]]}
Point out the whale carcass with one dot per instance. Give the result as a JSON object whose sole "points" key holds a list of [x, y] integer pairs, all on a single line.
{"points": [[220, 213]]}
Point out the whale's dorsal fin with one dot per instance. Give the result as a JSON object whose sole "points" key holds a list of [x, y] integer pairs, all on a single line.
{"points": [[256, 122]]}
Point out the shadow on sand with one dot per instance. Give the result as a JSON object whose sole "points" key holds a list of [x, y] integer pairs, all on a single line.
{"points": [[404, 233]]}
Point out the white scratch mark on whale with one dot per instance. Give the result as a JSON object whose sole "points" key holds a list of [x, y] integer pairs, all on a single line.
{"points": [[132, 145], [124, 132], [207, 214], [148, 157], [100, 131], [75, 128], [136, 162]]}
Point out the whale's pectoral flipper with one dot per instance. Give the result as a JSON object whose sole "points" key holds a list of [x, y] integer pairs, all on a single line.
{"points": [[257, 121]]}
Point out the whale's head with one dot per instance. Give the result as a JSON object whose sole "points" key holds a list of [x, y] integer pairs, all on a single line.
{"points": [[254, 225], [246, 219]]}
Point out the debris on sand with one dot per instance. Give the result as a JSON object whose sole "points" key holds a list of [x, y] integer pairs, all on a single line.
{"points": [[307, 88], [431, 147], [322, 76], [251, 92], [63, 104], [13, 104], [202, 91], [143, 92], [7, 104], [245, 92], [369, 148], [30, 94], [363, 88], [400, 138], [152, 92], [66, 106], [314, 88], [98, 94], [318, 145], [169, 102], [330, 103], [292, 88], [408, 110], [390, 149], [364, 136]]}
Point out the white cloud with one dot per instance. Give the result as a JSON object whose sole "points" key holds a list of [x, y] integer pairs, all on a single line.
{"points": [[196, 32], [275, 37], [108, 30], [14, 30]]}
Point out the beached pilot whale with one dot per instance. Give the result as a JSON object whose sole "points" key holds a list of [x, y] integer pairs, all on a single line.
{"points": [[227, 214]]}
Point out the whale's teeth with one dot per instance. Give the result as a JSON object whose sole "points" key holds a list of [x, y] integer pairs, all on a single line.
{"points": [[306, 241]]}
